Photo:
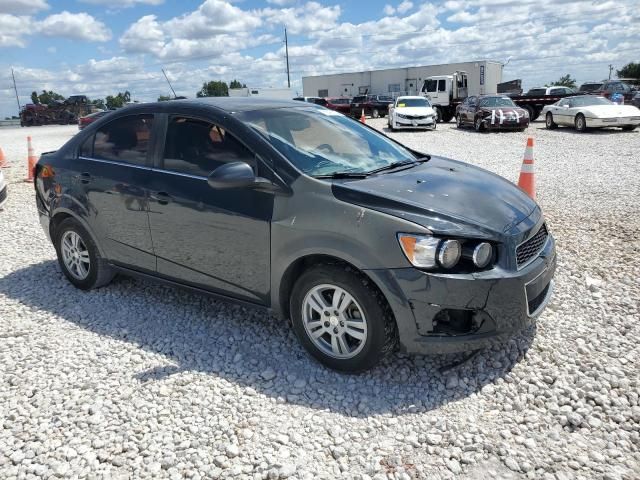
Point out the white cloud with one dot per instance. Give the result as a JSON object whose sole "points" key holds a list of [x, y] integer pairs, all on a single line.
{"points": [[146, 36], [405, 6], [123, 3], [22, 7], [13, 29], [211, 18], [281, 3], [309, 17], [388, 10], [80, 26]]}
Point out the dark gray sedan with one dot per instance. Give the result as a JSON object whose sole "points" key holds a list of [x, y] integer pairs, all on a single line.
{"points": [[366, 245]]}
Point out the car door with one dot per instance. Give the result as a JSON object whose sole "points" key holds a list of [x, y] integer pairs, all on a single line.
{"points": [[114, 164], [216, 239], [470, 110], [564, 113]]}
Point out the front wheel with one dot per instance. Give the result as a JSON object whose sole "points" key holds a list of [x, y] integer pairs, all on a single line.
{"points": [[79, 257], [438, 111], [375, 113], [550, 124], [458, 121], [629, 128], [478, 125], [341, 318], [580, 123]]}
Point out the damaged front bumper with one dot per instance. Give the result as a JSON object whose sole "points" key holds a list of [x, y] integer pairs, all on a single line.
{"points": [[445, 313]]}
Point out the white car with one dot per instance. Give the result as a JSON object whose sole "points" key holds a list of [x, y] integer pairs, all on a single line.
{"points": [[3, 190], [589, 111], [411, 112]]}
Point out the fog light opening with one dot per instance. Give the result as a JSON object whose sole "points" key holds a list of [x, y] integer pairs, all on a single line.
{"points": [[453, 322]]}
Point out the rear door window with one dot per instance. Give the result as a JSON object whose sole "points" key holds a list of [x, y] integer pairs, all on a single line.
{"points": [[124, 140], [197, 147]]}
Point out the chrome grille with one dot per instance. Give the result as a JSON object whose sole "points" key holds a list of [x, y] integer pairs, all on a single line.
{"points": [[530, 248]]}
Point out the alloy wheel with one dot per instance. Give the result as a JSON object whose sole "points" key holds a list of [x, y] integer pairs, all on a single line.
{"points": [[75, 255], [334, 321]]}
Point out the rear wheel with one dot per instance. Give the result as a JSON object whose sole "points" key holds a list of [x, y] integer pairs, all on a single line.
{"points": [[341, 318], [375, 113], [79, 257], [549, 121], [580, 123]]}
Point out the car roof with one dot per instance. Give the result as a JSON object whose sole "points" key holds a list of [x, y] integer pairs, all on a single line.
{"points": [[234, 104]]}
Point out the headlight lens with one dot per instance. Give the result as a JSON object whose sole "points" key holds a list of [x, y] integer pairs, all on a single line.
{"points": [[429, 252], [481, 255]]}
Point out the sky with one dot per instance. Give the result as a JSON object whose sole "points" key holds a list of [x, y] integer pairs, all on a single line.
{"points": [[100, 47]]}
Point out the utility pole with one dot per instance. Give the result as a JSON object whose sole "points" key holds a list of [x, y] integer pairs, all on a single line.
{"points": [[170, 86], [610, 70], [15, 89], [286, 50]]}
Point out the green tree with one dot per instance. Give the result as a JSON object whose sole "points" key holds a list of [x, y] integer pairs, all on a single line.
{"points": [[34, 97], [164, 98], [98, 102], [236, 84], [48, 97], [216, 88], [565, 81], [118, 101], [630, 70]]}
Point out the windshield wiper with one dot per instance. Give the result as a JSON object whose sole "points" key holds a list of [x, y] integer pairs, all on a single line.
{"points": [[344, 175], [404, 163]]}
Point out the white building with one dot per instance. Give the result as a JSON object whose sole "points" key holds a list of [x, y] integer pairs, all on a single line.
{"points": [[483, 75], [279, 93]]}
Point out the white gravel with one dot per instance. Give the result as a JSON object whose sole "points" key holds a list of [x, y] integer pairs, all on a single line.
{"points": [[138, 380]]}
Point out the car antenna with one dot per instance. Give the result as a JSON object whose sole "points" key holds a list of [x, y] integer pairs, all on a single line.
{"points": [[170, 86]]}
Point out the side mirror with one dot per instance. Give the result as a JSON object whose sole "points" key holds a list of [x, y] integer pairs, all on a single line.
{"points": [[232, 175]]}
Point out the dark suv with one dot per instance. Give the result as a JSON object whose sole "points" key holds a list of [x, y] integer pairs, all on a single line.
{"points": [[363, 243], [374, 106]]}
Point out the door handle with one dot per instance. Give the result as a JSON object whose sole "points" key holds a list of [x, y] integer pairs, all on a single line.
{"points": [[162, 198], [84, 177]]}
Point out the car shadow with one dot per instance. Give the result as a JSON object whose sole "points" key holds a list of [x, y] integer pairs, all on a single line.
{"points": [[590, 131], [252, 348]]}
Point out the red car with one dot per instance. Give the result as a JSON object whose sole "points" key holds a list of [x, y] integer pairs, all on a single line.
{"points": [[342, 104], [92, 117]]}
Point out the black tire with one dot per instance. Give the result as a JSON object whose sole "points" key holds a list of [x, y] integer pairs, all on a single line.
{"points": [[580, 123], [100, 273], [550, 124], [447, 117], [478, 125], [438, 111], [532, 113], [381, 338], [458, 121], [375, 113], [629, 128]]}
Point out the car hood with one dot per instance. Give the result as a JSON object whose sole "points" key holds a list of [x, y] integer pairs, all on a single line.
{"points": [[445, 196], [506, 111], [606, 111], [414, 110]]}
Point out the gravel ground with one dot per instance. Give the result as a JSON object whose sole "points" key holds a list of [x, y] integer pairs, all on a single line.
{"points": [[138, 380]]}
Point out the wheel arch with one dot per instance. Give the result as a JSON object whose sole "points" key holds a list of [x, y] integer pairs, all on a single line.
{"points": [[61, 215], [296, 268]]}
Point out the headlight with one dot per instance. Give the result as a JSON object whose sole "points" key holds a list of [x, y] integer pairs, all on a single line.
{"points": [[480, 254], [429, 252]]}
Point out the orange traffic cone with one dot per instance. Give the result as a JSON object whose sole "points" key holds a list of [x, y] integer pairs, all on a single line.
{"points": [[362, 119], [3, 160], [527, 181], [31, 162]]}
